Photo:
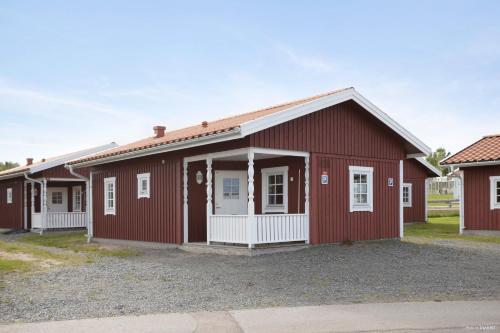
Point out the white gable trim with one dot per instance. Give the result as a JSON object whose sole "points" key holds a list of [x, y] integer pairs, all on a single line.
{"points": [[274, 119], [429, 166]]}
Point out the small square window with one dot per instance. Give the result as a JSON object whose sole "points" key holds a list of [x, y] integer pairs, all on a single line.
{"points": [[231, 188], [57, 198], [143, 185]]}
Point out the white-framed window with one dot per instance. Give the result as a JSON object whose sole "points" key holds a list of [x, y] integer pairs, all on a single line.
{"points": [[143, 185], [9, 195], [360, 189], [77, 198], [495, 192], [110, 196], [231, 188], [407, 194], [57, 198], [275, 190]]}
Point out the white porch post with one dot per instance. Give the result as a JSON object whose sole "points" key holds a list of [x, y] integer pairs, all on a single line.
{"points": [[43, 207], [426, 193], [185, 194], [401, 209], [251, 225], [209, 196], [32, 201], [25, 204], [306, 195]]}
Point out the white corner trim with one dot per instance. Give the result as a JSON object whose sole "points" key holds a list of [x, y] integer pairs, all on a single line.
{"points": [[401, 206], [140, 178], [410, 195], [368, 207], [109, 210], [493, 195], [265, 172]]}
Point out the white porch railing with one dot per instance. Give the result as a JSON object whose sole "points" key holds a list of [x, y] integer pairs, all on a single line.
{"points": [[59, 220], [275, 228], [279, 228]]}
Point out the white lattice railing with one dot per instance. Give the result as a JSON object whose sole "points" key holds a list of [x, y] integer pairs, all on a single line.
{"points": [[275, 228], [59, 220]]}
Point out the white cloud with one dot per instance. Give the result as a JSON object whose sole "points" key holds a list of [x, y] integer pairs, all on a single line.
{"points": [[307, 62]]}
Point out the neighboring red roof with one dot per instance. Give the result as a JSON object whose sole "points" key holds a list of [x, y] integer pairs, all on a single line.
{"points": [[485, 150], [196, 131]]}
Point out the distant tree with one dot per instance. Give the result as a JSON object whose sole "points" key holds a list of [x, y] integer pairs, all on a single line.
{"points": [[437, 156], [7, 165]]}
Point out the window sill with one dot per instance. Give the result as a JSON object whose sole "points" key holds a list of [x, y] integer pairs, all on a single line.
{"points": [[274, 209], [362, 209]]}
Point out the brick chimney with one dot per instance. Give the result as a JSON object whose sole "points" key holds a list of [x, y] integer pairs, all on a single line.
{"points": [[204, 124], [159, 131], [29, 160]]}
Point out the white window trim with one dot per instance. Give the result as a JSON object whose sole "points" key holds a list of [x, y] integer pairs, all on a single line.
{"points": [[493, 203], [74, 208], [140, 178], [10, 197], [107, 210], [369, 172], [410, 195], [266, 172]]}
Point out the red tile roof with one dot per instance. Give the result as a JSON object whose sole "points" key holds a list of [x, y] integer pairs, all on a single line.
{"points": [[196, 131], [485, 150]]}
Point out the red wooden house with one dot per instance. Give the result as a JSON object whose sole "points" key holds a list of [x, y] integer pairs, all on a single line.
{"points": [[324, 169], [44, 195], [479, 171], [416, 173]]}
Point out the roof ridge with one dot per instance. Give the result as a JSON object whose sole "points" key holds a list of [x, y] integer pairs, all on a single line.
{"points": [[491, 136], [298, 100]]}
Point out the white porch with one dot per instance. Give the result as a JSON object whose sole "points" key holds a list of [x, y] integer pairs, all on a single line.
{"points": [[60, 204], [272, 226]]}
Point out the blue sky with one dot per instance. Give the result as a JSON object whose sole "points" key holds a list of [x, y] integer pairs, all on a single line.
{"points": [[78, 74]]}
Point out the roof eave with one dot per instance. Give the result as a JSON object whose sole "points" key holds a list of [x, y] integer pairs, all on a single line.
{"points": [[429, 166], [203, 140], [14, 174], [471, 164]]}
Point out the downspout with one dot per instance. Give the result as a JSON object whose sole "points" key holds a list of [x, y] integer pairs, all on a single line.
{"points": [[88, 199], [41, 193]]}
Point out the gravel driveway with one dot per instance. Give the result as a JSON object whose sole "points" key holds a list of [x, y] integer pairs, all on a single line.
{"points": [[173, 280]]}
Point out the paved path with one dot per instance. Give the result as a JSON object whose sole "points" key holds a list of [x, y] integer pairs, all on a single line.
{"points": [[395, 317]]}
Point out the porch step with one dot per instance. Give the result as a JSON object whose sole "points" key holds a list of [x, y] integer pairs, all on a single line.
{"points": [[235, 250]]}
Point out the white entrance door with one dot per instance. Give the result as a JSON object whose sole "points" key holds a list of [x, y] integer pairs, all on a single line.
{"points": [[57, 199], [231, 192]]}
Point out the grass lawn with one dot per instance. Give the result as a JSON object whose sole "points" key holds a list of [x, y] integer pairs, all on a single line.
{"points": [[432, 197], [444, 228], [76, 242], [35, 252]]}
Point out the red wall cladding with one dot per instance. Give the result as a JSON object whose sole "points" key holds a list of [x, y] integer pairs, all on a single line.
{"points": [[157, 219], [477, 212], [343, 129], [332, 221], [11, 215], [415, 173]]}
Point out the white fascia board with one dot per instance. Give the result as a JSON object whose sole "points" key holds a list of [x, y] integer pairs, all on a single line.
{"points": [[14, 175], [204, 140], [70, 157], [274, 119], [429, 166], [472, 164]]}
